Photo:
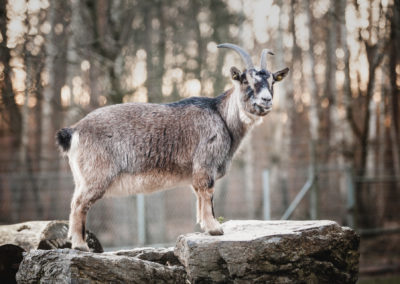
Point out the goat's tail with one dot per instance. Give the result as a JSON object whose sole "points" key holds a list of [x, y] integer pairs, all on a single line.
{"points": [[64, 137]]}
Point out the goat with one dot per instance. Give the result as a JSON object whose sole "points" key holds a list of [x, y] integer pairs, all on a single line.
{"points": [[136, 148]]}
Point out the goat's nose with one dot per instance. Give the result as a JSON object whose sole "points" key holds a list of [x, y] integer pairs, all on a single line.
{"points": [[266, 99]]}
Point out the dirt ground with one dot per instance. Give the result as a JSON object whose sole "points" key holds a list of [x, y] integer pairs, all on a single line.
{"points": [[380, 259]]}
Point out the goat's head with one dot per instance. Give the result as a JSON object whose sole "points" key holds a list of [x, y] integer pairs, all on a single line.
{"points": [[256, 85]]}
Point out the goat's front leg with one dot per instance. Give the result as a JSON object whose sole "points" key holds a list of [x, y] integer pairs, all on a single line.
{"points": [[204, 190], [210, 225]]}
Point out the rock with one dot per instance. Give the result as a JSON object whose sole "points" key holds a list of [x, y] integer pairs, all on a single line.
{"points": [[46, 235], [163, 256], [72, 266], [272, 252], [249, 252], [43, 235], [10, 258]]}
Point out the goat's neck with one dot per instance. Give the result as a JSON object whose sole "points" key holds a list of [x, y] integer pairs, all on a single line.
{"points": [[237, 120]]}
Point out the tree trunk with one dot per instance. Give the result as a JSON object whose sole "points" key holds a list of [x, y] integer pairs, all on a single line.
{"points": [[155, 68], [280, 136], [363, 195], [55, 67], [349, 127], [375, 53], [13, 115], [10, 113], [195, 8], [73, 58], [313, 115], [25, 159], [155, 203], [391, 209]]}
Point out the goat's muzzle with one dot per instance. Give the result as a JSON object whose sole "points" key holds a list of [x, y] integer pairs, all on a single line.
{"points": [[263, 109]]}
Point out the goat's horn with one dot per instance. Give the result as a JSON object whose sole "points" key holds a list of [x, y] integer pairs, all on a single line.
{"points": [[245, 56], [263, 62]]}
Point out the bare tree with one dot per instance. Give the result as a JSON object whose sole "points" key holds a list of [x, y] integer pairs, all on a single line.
{"points": [[55, 68], [155, 58], [313, 111], [394, 109], [10, 109]]}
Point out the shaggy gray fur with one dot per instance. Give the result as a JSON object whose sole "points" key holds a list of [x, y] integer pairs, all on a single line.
{"points": [[140, 148]]}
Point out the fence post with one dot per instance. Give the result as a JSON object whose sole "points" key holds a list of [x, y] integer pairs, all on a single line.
{"points": [[313, 177], [350, 196], [266, 196], [306, 187], [141, 219]]}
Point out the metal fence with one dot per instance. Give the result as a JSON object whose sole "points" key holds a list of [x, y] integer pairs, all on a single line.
{"points": [[158, 219]]}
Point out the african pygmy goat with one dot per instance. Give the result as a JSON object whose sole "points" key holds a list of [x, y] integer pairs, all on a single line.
{"points": [[135, 148]]}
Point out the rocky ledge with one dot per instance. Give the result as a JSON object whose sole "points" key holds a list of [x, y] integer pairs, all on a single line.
{"points": [[248, 252], [272, 252]]}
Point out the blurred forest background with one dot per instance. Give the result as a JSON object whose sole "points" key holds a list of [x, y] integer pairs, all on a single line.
{"points": [[333, 136]]}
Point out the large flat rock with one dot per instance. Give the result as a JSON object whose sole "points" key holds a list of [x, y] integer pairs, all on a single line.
{"points": [[43, 235], [248, 252], [70, 266], [272, 252]]}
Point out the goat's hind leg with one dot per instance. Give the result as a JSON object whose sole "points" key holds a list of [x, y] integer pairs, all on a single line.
{"points": [[82, 200]]}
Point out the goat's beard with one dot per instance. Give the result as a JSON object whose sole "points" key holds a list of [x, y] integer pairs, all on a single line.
{"points": [[261, 110]]}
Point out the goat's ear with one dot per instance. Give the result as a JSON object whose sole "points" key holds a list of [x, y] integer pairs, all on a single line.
{"points": [[235, 74], [278, 76]]}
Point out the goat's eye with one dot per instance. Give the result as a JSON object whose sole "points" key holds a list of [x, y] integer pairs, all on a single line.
{"points": [[245, 82]]}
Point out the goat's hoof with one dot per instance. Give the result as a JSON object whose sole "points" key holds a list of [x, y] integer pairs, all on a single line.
{"points": [[216, 232], [81, 247]]}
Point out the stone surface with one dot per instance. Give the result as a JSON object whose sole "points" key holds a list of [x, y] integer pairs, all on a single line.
{"points": [[46, 235], [43, 235], [272, 252], [72, 266], [163, 256], [249, 252]]}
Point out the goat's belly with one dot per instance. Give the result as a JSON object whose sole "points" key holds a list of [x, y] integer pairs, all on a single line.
{"points": [[128, 184]]}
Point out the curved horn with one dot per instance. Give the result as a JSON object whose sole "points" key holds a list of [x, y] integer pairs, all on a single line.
{"points": [[263, 62], [245, 56]]}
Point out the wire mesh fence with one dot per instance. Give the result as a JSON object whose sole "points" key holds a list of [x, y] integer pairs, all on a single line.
{"points": [[159, 218]]}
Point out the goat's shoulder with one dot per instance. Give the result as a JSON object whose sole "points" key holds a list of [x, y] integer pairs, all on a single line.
{"points": [[203, 110], [204, 114], [205, 103]]}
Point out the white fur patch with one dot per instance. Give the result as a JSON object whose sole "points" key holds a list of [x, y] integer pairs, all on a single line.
{"points": [[270, 80], [235, 107], [128, 184], [73, 155], [265, 93]]}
